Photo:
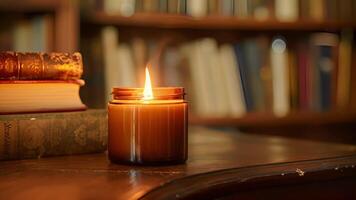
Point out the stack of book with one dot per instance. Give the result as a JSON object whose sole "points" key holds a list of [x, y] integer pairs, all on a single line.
{"points": [[40, 82], [46, 84], [282, 10], [256, 74]]}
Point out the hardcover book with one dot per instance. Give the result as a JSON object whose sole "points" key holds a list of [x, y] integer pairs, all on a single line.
{"points": [[40, 96], [40, 66], [52, 134]]}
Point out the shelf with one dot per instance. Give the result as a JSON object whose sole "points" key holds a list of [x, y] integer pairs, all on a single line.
{"points": [[29, 5], [294, 119], [170, 21]]}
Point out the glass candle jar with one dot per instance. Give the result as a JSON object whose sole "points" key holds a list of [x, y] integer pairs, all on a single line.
{"points": [[149, 132]]}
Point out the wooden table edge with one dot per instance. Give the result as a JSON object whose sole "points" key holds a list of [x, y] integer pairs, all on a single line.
{"points": [[220, 182]]}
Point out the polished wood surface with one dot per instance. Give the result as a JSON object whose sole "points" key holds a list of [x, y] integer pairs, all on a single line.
{"points": [[269, 119], [327, 126], [219, 164]]}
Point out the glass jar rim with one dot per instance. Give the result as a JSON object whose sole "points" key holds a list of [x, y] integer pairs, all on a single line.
{"points": [[159, 93]]}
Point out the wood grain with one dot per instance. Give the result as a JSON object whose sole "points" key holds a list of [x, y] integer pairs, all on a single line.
{"points": [[221, 162]]}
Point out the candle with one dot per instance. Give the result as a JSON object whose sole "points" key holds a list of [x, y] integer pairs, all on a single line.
{"points": [[148, 126]]}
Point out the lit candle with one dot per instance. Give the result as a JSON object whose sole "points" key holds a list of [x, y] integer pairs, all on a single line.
{"points": [[148, 126]]}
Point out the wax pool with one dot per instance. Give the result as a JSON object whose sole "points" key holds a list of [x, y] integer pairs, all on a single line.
{"points": [[148, 131]]}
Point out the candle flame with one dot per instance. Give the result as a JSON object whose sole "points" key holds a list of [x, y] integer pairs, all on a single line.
{"points": [[147, 92]]}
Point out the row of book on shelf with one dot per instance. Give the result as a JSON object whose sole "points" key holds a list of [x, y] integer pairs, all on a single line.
{"points": [[33, 34], [284, 10], [256, 74]]}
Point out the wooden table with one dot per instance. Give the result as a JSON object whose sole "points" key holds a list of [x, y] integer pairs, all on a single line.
{"points": [[221, 164]]}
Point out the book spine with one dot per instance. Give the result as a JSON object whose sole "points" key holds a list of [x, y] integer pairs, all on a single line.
{"points": [[246, 86], [286, 10], [343, 91], [303, 65], [40, 66], [280, 73], [325, 76], [253, 66], [41, 135]]}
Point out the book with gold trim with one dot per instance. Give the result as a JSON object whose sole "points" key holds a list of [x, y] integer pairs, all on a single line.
{"points": [[40, 66], [52, 134]]}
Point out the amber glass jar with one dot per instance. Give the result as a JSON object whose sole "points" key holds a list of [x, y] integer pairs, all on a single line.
{"points": [[148, 132]]}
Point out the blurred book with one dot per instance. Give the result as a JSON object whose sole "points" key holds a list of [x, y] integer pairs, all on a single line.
{"points": [[324, 51], [287, 10], [109, 38], [344, 70], [280, 73], [31, 34], [281, 10], [254, 74]]}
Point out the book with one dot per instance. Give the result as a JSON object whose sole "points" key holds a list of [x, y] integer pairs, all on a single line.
{"points": [[253, 65], [173, 6], [265, 72], [262, 9], [226, 7], [202, 102], [52, 134], [246, 86], [324, 49], [109, 37], [344, 71], [317, 10], [163, 6], [127, 7], [214, 76], [40, 96], [112, 6], [126, 72], [241, 8], [172, 74], [280, 73], [293, 79], [232, 81], [346, 12], [303, 62], [182, 7], [22, 34], [213, 7], [42, 37], [93, 92], [287, 10], [150, 5], [40, 66], [197, 8]]}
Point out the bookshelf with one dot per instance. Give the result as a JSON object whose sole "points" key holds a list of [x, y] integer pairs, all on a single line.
{"points": [[74, 25], [175, 21], [65, 15], [231, 29], [29, 5]]}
